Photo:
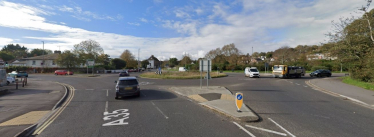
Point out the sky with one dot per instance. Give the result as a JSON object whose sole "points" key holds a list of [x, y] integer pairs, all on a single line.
{"points": [[171, 28]]}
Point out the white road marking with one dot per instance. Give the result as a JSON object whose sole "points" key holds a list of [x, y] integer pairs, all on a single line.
{"points": [[281, 127], [106, 107], [178, 93], [89, 89], [354, 100], [306, 86], [190, 100], [297, 83], [107, 92], [246, 131], [160, 110], [267, 130]]}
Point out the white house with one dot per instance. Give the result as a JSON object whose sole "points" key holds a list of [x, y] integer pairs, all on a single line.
{"points": [[153, 62], [37, 61]]}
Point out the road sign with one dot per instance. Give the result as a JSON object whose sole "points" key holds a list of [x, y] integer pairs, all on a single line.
{"points": [[205, 65], [239, 100], [90, 63]]}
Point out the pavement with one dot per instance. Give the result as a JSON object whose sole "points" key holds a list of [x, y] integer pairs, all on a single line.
{"points": [[24, 107], [219, 99], [335, 87]]}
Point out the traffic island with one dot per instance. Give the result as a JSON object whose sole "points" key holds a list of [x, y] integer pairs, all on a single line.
{"points": [[218, 99]]}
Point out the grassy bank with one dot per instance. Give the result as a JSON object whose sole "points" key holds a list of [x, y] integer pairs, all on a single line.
{"points": [[180, 75], [365, 85]]}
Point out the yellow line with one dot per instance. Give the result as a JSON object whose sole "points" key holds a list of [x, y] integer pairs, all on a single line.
{"points": [[59, 111]]}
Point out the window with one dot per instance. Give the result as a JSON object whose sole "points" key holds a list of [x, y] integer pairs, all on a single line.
{"points": [[33, 62], [128, 82], [53, 62]]}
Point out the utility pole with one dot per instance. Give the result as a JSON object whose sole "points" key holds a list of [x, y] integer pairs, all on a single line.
{"points": [[252, 51], [59, 48], [138, 59], [43, 57]]}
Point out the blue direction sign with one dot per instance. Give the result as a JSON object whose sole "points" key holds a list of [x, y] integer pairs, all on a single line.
{"points": [[239, 100]]}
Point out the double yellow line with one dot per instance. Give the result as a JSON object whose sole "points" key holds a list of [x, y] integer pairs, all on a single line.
{"points": [[58, 112]]}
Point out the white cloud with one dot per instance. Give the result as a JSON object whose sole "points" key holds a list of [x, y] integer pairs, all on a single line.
{"points": [[119, 17], [63, 23], [199, 11], [252, 27], [80, 14], [143, 20], [133, 23], [5, 41], [181, 14]]}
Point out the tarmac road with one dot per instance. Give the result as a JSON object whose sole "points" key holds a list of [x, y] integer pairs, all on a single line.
{"points": [[287, 107]]}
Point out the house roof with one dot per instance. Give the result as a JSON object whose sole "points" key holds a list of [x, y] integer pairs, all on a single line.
{"points": [[153, 58], [46, 57], [19, 62]]}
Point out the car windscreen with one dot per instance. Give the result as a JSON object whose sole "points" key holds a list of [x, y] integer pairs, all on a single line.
{"points": [[253, 70], [278, 68], [128, 82]]}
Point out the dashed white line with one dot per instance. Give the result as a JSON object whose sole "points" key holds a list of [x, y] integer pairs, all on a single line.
{"points": [[267, 130], [107, 92], [143, 94], [281, 127], [89, 89], [106, 107], [159, 110], [246, 131], [306, 86], [297, 84]]}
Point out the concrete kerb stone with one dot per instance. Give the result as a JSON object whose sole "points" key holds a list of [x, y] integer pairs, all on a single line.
{"points": [[224, 105]]}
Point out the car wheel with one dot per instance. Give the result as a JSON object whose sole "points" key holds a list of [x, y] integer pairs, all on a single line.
{"points": [[66, 74], [7, 83], [329, 75], [55, 74], [319, 75], [138, 95], [116, 97]]}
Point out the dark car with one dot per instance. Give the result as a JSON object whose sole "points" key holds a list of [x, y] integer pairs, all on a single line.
{"points": [[124, 74], [22, 74], [127, 86], [320, 73]]}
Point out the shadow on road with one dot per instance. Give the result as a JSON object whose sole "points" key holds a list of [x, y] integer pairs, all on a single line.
{"points": [[151, 95]]}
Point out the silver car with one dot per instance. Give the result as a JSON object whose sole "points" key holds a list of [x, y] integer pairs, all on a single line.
{"points": [[127, 86]]}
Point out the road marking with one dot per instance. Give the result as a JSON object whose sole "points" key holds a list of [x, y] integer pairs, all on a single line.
{"points": [[297, 83], [58, 112], [89, 89], [306, 86], [246, 131], [106, 107], [281, 127], [354, 100], [160, 110], [107, 92], [179, 93], [291, 82], [267, 130]]}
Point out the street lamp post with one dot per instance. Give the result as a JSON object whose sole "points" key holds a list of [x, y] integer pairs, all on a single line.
{"points": [[43, 58]]}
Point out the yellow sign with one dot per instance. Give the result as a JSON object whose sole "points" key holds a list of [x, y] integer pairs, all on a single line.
{"points": [[239, 100]]}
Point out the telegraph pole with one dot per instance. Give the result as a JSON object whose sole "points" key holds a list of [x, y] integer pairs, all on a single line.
{"points": [[43, 56], [138, 59]]}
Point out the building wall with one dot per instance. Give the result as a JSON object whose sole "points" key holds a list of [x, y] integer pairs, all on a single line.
{"points": [[152, 64], [38, 63]]}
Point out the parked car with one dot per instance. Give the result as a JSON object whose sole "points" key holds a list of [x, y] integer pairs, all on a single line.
{"points": [[132, 70], [320, 73], [10, 80], [63, 72], [22, 74], [13, 74], [124, 74], [182, 69], [127, 86]]}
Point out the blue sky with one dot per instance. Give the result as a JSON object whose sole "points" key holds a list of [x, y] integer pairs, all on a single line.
{"points": [[170, 28]]}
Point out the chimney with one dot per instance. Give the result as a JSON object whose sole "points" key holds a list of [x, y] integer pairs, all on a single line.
{"points": [[57, 52]]}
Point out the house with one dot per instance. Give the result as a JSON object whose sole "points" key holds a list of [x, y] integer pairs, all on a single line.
{"points": [[153, 62], [37, 61], [320, 56], [256, 60]]}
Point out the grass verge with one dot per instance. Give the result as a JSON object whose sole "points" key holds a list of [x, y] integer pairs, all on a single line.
{"points": [[180, 75], [365, 85]]}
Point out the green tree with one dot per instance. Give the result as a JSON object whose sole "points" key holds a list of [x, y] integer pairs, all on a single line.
{"points": [[129, 58], [68, 60], [144, 63], [6, 56], [88, 49], [186, 59], [39, 52], [118, 63], [104, 59], [16, 50], [173, 62]]}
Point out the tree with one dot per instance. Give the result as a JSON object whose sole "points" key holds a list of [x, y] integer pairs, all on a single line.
{"points": [[232, 53], [88, 49], [173, 62], [103, 58], [68, 60], [6, 56], [144, 63], [255, 54], [39, 52], [129, 58], [118, 63], [186, 59], [16, 50], [282, 54]]}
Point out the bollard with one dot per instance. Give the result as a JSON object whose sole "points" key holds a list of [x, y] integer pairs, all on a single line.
{"points": [[26, 81], [16, 83]]}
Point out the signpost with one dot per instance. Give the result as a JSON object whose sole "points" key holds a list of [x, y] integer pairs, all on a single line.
{"points": [[205, 66], [90, 64], [239, 100]]}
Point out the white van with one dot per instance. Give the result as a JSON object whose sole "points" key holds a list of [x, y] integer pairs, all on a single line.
{"points": [[251, 72], [182, 69]]}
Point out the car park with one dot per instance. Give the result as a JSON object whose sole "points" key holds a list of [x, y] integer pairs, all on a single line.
{"points": [[127, 86], [320, 73], [124, 74], [63, 72]]}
